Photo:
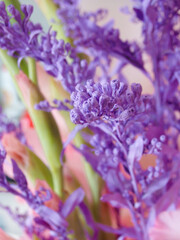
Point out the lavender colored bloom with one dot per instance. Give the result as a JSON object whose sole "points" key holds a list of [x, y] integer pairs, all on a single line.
{"points": [[45, 106], [51, 52], [21, 29], [129, 126], [46, 219], [134, 145], [111, 101], [88, 36], [107, 157], [161, 41]]}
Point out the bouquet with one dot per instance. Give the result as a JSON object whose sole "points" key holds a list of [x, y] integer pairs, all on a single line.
{"points": [[93, 157]]}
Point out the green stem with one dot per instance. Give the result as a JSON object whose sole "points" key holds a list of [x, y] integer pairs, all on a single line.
{"points": [[49, 136], [44, 124], [92, 177], [32, 73], [49, 9], [10, 62], [15, 3], [37, 169], [57, 174]]}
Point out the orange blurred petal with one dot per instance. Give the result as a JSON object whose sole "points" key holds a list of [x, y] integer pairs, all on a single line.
{"points": [[15, 149], [4, 236]]}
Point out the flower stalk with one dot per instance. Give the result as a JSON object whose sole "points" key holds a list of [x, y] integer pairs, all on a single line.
{"points": [[11, 64], [32, 73], [44, 122], [46, 129], [128, 141], [93, 179], [49, 9]]}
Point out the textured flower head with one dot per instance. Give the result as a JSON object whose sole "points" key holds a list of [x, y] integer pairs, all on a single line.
{"points": [[133, 138]]}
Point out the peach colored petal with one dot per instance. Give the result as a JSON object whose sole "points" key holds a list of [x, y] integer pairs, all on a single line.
{"points": [[74, 159], [15, 149], [128, 238], [124, 172], [49, 87], [25, 86], [32, 139], [166, 226], [148, 160], [27, 89], [4, 236], [74, 162], [44, 81], [125, 218]]}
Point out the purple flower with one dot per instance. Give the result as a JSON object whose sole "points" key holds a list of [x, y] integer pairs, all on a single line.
{"points": [[108, 101], [45, 106], [51, 52], [89, 37], [46, 218], [127, 127]]}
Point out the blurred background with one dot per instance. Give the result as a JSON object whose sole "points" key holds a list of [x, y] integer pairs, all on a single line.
{"points": [[12, 104]]}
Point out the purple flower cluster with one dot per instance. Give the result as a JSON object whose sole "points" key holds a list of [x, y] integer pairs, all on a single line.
{"points": [[133, 144], [161, 41], [46, 219], [89, 37], [108, 101], [58, 105], [51, 52], [127, 125], [20, 29]]}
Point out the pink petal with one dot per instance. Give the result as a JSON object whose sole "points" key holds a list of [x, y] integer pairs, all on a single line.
{"points": [[4, 236], [166, 226], [15, 149], [32, 139]]}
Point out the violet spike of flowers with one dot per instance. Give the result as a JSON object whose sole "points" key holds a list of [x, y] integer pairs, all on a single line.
{"points": [[47, 107], [19, 177], [47, 218], [2, 158], [51, 52], [134, 145], [86, 34]]}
